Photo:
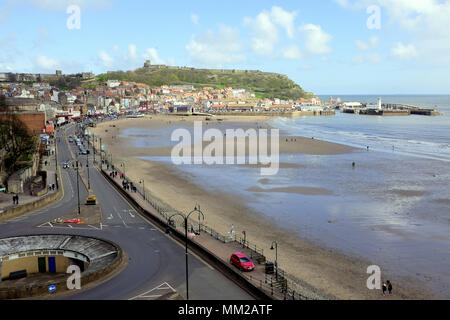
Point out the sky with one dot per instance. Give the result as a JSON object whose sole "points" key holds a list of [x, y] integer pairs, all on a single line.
{"points": [[326, 46]]}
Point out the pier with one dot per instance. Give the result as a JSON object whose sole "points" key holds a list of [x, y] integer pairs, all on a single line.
{"points": [[386, 109]]}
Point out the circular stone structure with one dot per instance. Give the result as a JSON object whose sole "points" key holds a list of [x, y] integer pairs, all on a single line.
{"points": [[47, 255]]}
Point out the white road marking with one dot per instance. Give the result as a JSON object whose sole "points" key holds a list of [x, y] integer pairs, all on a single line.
{"points": [[149, 296]]}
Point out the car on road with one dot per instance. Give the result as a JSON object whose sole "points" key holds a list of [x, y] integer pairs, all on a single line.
{"points": [[242, 262]]}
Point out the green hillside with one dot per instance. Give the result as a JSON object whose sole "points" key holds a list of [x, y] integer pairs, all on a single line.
{"points": [[263, 84]]}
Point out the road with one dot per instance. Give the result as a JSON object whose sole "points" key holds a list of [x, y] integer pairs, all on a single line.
{"points": [[156, 263]]}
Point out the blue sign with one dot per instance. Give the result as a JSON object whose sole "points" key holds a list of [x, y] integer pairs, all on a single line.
{"points": [[51, 289]]}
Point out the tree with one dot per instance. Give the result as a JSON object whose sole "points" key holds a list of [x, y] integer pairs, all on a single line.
{"points": [[14, 138]]}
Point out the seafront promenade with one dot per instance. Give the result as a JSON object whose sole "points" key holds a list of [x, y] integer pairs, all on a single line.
{"points": [[276, 285]]}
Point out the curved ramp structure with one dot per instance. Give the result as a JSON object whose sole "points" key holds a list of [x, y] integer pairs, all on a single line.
{"points": [[22, 256]]}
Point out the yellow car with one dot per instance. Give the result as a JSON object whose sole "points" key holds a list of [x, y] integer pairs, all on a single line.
{"points": [[91, 200]]}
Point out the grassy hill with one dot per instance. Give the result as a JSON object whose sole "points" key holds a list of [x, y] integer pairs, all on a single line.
{"points": [[263, 84]]}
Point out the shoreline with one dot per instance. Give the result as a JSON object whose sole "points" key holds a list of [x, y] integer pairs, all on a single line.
{"points": [[330, 271]]}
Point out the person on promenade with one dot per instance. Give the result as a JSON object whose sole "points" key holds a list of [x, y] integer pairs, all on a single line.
{"points": [[14, 199], [389, 284], [384, 288]]}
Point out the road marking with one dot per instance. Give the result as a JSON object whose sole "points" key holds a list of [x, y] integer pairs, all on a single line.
{"points": [[70, 226], [89, 225], [48, 224], [156, 292]]}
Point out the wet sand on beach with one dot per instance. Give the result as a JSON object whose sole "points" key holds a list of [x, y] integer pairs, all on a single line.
{"points": [[330, 271]]}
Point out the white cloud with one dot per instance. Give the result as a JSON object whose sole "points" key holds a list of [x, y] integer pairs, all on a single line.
{"points": [[152, 55], [374, 58], [216, 49], [404, 52], [46, 63], [264, 33], [5, 67], [285, 19], [427, 21], [292, 52], [316, 39], [171, 62], [264, 28], [358, 60], [364, 46], [106, 59], [132, 55], [195, 18]]}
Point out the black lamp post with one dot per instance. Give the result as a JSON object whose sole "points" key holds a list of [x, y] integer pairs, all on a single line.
{"points": [[93, 146], [276, 257], [143, 188], [186, 239], [78, 191], [87, 166]]}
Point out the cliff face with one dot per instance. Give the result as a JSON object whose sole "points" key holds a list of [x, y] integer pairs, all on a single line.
{"points": [[263, 84]]}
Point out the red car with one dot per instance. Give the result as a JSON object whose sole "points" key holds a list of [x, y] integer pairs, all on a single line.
{"points": [[241, 261]]}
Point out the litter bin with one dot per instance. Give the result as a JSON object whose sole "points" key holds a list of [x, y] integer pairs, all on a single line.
{"points": [[269, 267]]}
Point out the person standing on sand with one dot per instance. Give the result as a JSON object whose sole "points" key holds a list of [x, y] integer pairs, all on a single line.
{"points": [[389, 284], [384, 288]]}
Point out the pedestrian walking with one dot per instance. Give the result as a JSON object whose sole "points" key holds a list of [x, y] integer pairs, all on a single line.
{"points": [[389, 286], [17, 199], [53, 186], [384, 288], [14, 199]]}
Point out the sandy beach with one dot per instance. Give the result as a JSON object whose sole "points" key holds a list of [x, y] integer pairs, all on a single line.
{"points": [[330, 271]]}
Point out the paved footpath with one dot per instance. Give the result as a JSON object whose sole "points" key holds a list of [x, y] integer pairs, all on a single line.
{"points": [[6, 201]]}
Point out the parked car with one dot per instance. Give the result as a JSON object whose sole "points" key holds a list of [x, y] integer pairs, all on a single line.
{"points": [[241, 261]]}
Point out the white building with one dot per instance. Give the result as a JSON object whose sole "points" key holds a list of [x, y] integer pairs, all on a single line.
{"points": [[113, 83]]}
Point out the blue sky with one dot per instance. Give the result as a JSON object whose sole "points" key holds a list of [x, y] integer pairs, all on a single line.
{"points": [[325, 46]]}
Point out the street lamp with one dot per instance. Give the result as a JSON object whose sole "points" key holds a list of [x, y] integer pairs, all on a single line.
{"points": [[93, 146], [186, 239], [78, 191], [276, 257], [87, 166], [143, 188]]}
